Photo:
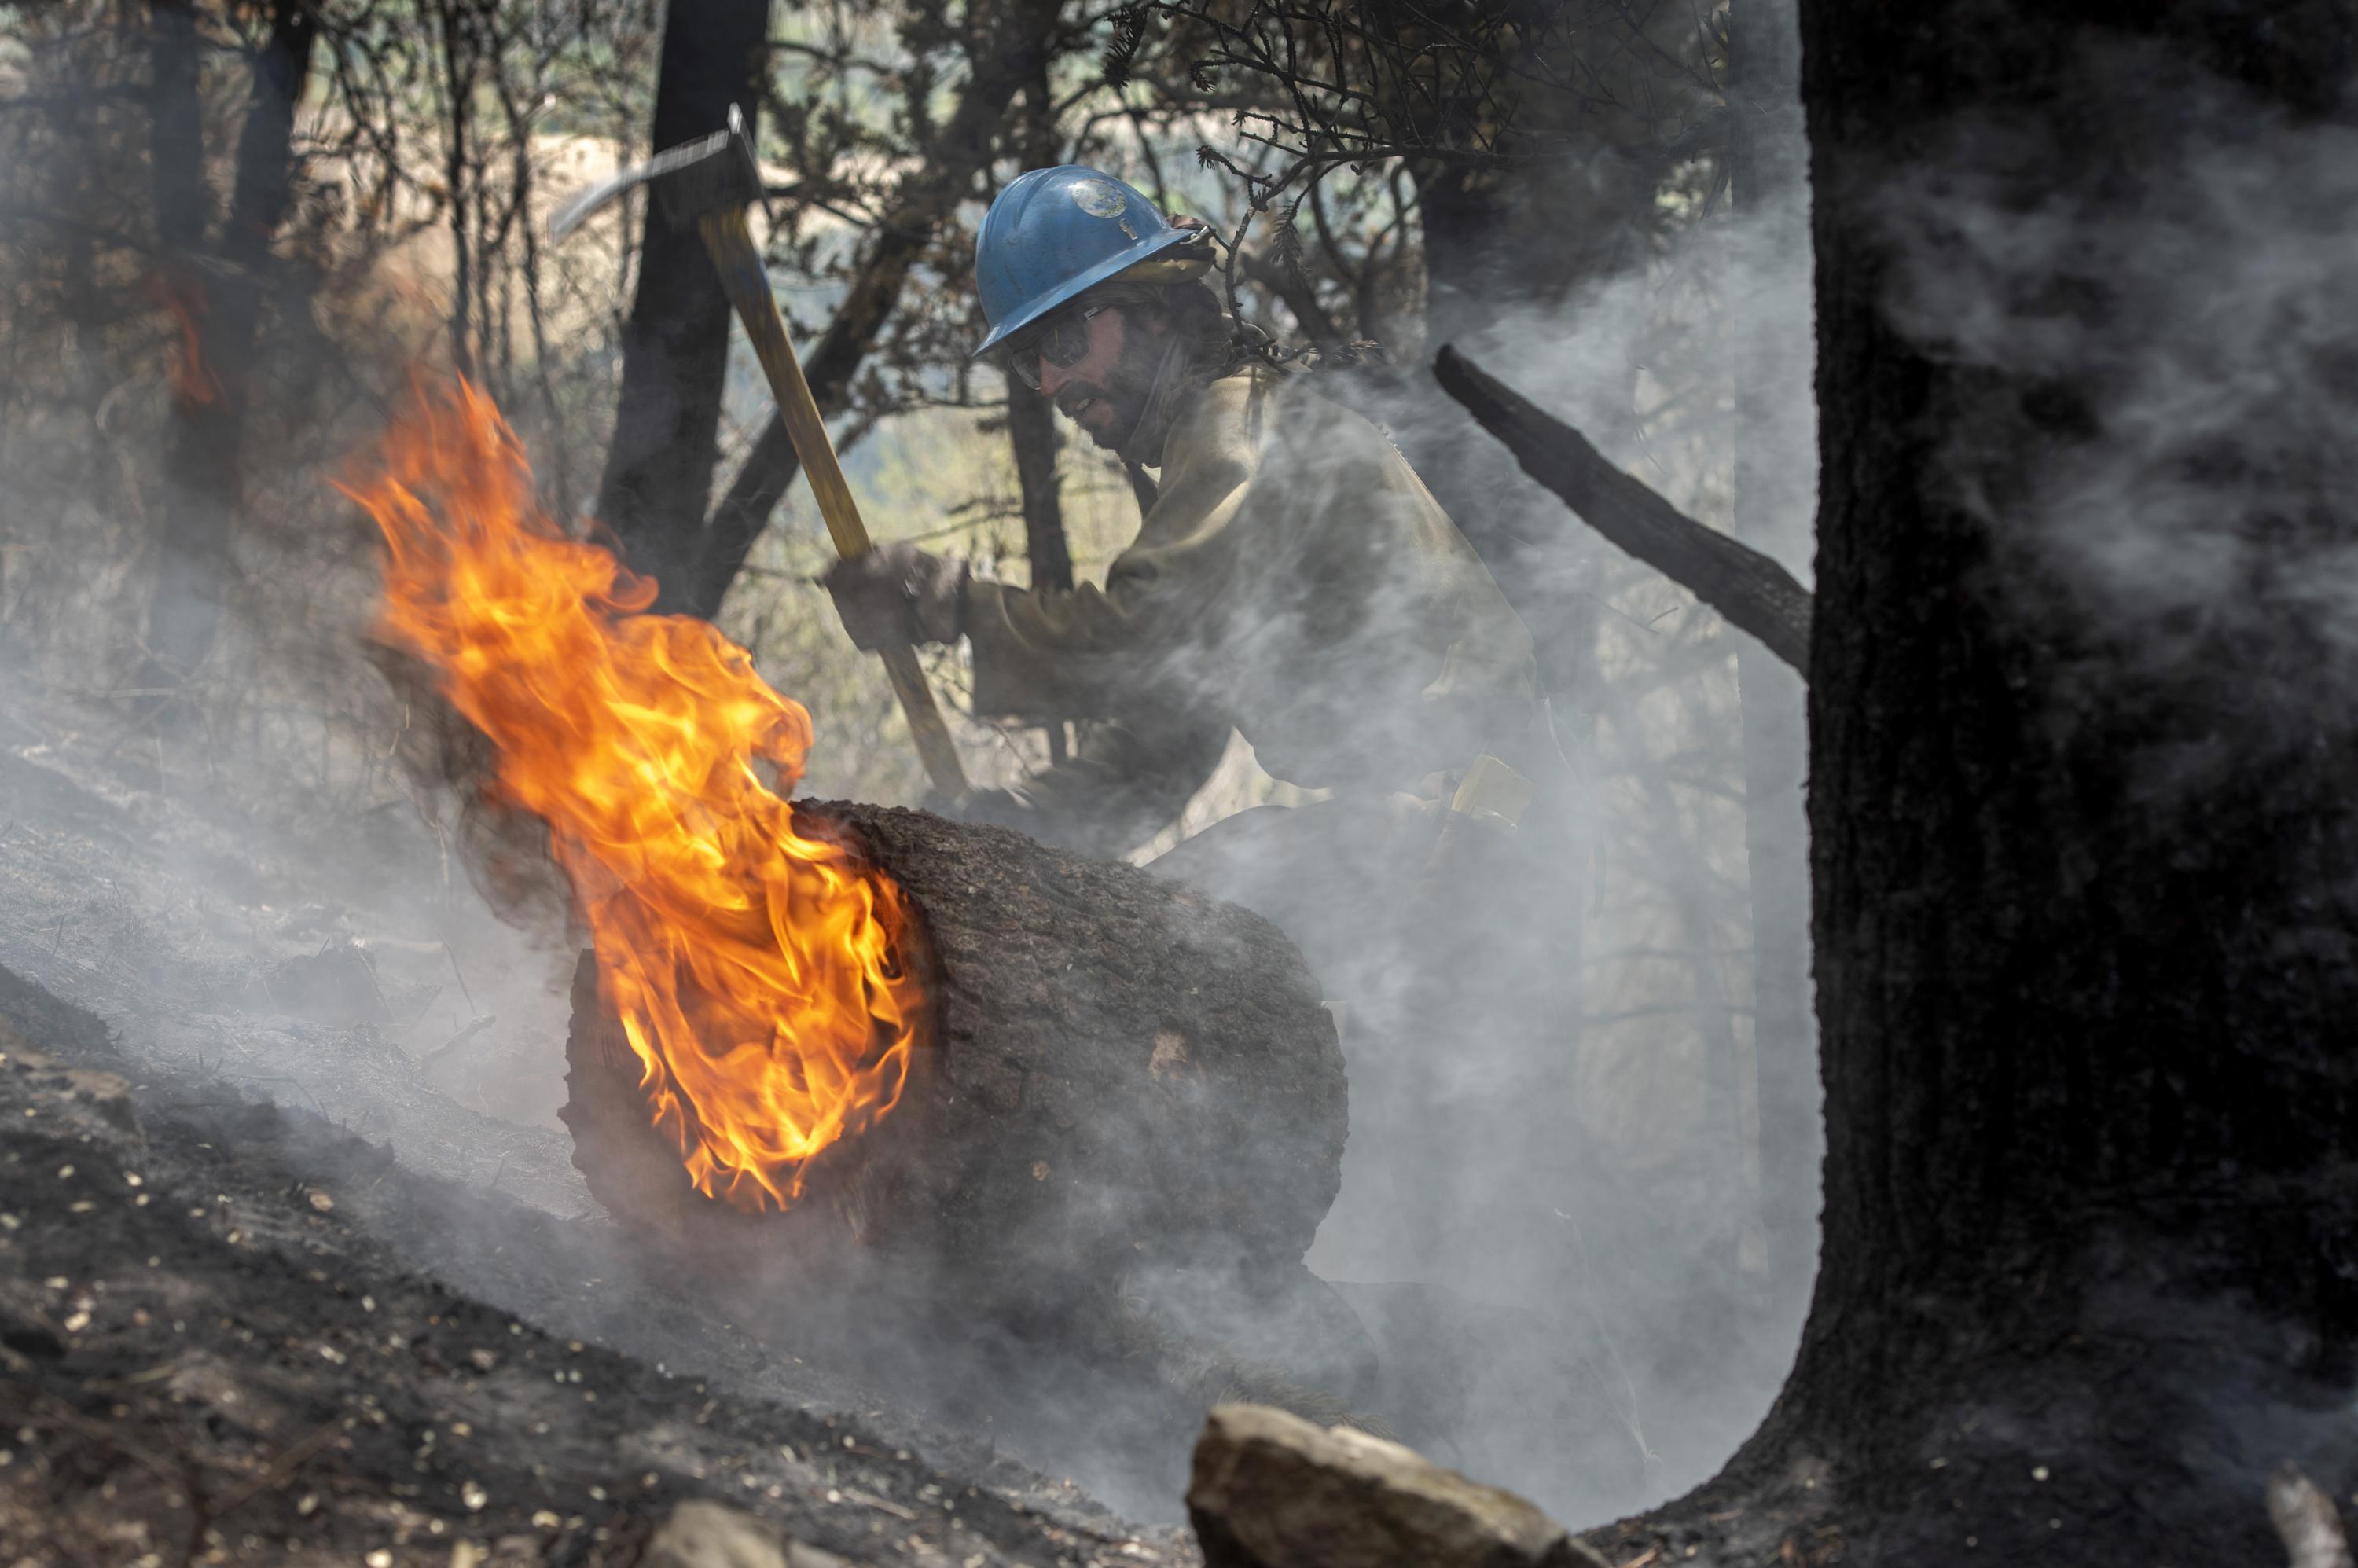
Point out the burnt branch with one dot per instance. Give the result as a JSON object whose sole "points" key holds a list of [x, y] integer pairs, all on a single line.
{"points": [[1751, 591]]}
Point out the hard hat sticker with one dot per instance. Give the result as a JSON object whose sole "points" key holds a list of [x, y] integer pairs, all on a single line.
{"points": [[1098, 198]]}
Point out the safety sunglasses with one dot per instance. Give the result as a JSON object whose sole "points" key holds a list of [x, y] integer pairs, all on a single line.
{"points": [[1064, 342]]}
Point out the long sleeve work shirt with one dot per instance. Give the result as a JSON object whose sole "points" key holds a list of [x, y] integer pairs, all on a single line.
{"points": [[1295, 579]]}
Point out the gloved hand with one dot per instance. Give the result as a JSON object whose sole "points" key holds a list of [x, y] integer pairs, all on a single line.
{"points": [[1476, 815], [897, 593]]}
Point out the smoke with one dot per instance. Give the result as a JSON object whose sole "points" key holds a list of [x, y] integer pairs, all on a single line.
{"points": [[1549, 1229], [2202, 368], [1550, 1220]]}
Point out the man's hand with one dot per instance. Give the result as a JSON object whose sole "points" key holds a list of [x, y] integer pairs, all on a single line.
{"points": [[1466, 822], [897, 593]]}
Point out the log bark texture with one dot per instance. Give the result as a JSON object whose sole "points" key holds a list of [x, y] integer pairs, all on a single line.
{"points": [[1121, 1074]]}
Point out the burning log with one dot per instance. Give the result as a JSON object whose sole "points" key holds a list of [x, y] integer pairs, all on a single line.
{"points": [[844, 1045], [1118, 1072]]}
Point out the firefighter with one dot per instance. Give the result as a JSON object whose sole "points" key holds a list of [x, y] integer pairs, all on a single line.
{"points": [[1294, 580]]}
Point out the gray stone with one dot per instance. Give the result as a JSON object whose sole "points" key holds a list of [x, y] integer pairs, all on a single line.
{"points": [[703, 1535], [1270, 1490]]}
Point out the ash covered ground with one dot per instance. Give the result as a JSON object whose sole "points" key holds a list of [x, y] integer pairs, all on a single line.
{"points": [[359, 1301], [276, 1286]]}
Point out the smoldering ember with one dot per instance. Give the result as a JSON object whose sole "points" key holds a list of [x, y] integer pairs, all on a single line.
{"points": [[1312, 784]]}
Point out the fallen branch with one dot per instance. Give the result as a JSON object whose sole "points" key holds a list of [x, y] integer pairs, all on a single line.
{"points": [[1752, 592]]}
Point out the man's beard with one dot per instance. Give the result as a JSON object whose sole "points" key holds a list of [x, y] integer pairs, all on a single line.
{"points": [[1127, 388]]}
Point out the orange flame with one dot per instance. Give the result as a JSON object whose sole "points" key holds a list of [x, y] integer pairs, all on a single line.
{"points": [[759, 974], [193, 383]]}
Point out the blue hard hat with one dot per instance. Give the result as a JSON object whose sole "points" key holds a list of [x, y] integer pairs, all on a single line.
{"points": [[1054, 233]]}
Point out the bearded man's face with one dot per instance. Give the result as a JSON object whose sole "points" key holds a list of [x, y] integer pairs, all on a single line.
{"points": [[1105, 391]]}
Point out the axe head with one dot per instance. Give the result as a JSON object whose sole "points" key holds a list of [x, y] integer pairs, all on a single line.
{"points": [[709, 175]]}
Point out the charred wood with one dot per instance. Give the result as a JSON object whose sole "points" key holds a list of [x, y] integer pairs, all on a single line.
{"points": [[1122, 1077], [1750, 590], [335, 1303]]}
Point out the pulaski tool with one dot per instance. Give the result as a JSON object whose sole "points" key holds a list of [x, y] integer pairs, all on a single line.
{"points": [[710, 183]]}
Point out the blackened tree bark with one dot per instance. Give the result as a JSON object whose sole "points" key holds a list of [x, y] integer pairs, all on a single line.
{"points": [[658, 476], [204, 486], [458, 24], [1118, 1085], [1031, 430], [1751, 590], [1030, 417], [1768, 167], [2084, 852]]}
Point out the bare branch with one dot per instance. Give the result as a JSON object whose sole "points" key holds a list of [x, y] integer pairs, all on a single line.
{"points": [[1750, 590]]}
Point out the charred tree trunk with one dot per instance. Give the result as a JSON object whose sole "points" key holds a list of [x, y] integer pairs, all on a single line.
{"points": [[203, 483], [1507, 241], [1031, 430], [456, 24], [1122, 1076], [1031, 417], [2084, 852], [1768, 153], [658, 477]]}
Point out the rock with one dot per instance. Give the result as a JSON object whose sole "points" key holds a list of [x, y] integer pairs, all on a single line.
{"points": [[1270, 1490], [702, 1534]]}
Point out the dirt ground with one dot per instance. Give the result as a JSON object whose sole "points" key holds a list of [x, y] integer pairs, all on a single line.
{"points": [[340, 1075], [217, 1348]]}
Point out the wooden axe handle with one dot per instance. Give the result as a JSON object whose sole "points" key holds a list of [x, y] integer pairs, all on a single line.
{"points": [[748, 288]]}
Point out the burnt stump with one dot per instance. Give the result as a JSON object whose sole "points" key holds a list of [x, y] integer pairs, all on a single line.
{"points": [[1120, 1076]]}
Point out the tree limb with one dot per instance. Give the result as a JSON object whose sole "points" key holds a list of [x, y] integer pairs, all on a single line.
{"points": [[1750, 590]]}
